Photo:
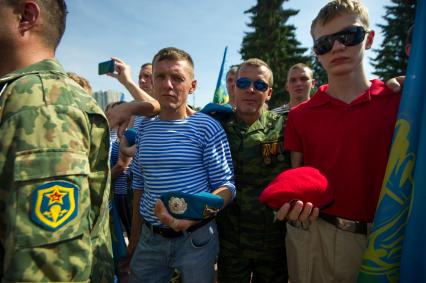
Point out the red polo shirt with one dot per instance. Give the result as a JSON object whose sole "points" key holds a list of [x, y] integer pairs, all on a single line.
{"points": [[348, 143]]}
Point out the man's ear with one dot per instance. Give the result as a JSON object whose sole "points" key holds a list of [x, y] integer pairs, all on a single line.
{"points": [[29, 17], [407, 49], [269, 94], [193, 86], [370, 38]]}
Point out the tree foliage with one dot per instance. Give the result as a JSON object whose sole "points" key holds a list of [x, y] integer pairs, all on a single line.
{"points": [[391, 60], [274, 41], [320, 74]]}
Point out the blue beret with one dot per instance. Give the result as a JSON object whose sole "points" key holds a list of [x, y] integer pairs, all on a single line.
{"points": [[130, 135], [217, 111], [192, 206]]}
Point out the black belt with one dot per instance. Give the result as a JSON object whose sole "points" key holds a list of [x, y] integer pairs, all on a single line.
{"points": [[170, 233], [346, 224]]}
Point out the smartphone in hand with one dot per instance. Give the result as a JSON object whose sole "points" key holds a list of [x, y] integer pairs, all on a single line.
{"points": [[106, 67]]}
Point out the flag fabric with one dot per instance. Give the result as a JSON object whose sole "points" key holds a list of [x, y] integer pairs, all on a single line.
{"points": [[396, 250], [220, 93]]}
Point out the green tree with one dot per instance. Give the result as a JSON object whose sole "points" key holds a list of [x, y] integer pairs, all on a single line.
{"points": [[391, 60], [319, 73], [274, 41]]}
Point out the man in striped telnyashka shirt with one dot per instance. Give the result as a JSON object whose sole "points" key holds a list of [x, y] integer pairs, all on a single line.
{"points": [[177, 151]]}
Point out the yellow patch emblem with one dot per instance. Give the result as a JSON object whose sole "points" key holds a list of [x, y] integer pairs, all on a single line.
{"points": [[54, 204]]}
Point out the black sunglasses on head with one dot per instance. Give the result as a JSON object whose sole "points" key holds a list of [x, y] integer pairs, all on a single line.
{"points": [[245, 83], [348, 37]]}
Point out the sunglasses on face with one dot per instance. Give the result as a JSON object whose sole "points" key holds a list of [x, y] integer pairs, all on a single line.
{"points": [[245, 83], [348, 37]]}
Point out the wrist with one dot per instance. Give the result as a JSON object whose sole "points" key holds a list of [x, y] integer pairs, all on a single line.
{"points": [[129, 84]]}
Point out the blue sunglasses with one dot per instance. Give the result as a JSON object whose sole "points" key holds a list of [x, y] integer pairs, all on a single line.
{"points": [[245, 83]]}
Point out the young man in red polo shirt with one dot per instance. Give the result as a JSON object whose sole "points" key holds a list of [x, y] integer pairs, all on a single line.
{"points": [[345, 131]]}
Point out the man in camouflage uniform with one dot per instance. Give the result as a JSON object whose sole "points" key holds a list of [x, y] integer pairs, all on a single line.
{"points": [[251, 240], [54, 175]]}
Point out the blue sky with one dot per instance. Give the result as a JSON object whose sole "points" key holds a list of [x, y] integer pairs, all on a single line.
{"points": [[134, 30]]}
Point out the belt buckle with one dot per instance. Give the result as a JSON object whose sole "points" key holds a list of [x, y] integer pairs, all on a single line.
{"points": [[346, 225], [162, 233]]}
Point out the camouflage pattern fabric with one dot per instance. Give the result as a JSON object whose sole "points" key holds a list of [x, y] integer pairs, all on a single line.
{"points": [[247, 228], [54, 180]]}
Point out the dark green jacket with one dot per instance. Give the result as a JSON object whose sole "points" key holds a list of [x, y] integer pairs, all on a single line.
{"points": [[247, 226]]}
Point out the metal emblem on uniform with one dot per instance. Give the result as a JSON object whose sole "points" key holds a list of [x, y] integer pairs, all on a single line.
{"points": [[177, 205], [54, 204], [280, 156], [268, 151], [267, 160]]}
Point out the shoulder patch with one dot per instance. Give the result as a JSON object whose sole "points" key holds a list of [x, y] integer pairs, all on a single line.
{"points": [[54, 204]]}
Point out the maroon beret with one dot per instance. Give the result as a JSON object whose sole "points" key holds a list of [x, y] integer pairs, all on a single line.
{"points": [[303, 183]]}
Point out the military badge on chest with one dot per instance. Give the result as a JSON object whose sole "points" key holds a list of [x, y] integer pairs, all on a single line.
{"points": [[272, 152]]}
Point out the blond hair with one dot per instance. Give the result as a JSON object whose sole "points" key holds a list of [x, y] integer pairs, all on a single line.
{"points": [[301, 66], [258, 63], [81, 81], [338, 7], [174, 54]]}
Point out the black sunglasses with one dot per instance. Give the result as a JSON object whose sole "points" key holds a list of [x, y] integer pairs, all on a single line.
{"points": [[245, 83], [348, 37]]}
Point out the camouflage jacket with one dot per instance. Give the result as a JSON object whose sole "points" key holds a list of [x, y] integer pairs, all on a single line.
{"points": [[247, 226], [54, 179]]}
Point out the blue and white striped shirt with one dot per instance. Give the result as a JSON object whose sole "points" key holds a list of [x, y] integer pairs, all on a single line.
{"points": [[138, 121], [119, 184], [190, 155]]}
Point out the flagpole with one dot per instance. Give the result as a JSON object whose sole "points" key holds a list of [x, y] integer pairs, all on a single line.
{"points": [[221, 94]]}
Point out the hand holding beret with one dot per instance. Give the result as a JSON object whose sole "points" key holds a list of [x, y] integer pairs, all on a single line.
{"points": [[192, 206], [303, 183], [130, 135]]}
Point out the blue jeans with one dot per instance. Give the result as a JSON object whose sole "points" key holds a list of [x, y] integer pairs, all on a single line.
{"points": [[194, 254]]}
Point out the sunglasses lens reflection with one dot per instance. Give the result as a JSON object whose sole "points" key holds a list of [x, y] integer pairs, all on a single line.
{"points": [[245, 83], [349, 37]]}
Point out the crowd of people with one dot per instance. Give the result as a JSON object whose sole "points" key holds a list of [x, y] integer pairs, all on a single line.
{"points": [[65, 163]]}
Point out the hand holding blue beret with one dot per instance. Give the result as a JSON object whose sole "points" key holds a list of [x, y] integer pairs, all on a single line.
{"points": [[217, 111], [130, 135], [192, 206]]}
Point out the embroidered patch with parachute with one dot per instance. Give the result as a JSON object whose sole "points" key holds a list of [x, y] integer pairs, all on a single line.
{"points": [[54, 204]]}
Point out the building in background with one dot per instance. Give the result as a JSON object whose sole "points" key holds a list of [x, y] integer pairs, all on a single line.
{"points": [[103, 98]]}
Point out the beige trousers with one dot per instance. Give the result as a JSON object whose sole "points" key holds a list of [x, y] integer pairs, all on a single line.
{"points": [[323, 253]]}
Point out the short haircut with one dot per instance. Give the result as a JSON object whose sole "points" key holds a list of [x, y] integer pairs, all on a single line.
{"points": [[258, 63], [232, 70], [338, 7], [81, 81], [54, 13], [409, 38], [173, 54], [300, 66], [145, 65]]}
